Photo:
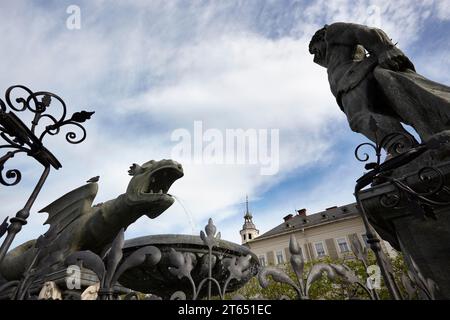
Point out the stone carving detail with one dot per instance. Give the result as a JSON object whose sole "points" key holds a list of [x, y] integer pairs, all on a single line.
{"points": [[91, 292], [50, 291]]}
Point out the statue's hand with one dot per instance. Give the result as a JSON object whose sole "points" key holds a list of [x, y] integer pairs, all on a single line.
{"points": [[394, 59]]}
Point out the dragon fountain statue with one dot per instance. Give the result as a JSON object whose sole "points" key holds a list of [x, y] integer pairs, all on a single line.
{"points": [[75, 224]]}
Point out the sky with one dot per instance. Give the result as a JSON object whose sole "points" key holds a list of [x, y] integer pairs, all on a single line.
{"points": [[150, 67]]}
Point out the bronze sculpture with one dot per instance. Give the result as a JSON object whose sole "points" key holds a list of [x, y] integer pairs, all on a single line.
{"points": [[372, 79], [408, 201], [77, 225]]}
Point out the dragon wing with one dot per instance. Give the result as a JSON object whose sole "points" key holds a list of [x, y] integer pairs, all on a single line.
{"points": [[69, 207]]}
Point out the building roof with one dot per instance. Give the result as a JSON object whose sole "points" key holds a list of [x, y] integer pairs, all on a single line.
{"points": [[299, 222], [248, 225]]}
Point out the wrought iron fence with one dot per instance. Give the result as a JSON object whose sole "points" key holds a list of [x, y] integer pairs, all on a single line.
{"points": [[110, 266], [382, 172]]}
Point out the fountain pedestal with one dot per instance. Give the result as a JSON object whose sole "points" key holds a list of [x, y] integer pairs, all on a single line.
{"points": [[160, 281], [417, 227]]}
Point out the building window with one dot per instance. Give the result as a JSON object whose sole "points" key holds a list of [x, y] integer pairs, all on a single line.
{"points": [[262, 261], [244, 237], [280, 259], [343, 245], [249, 237], [320, 250]]}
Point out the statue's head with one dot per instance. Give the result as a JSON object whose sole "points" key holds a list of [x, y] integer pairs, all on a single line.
{"points": [[318, 47], [150, 182]]}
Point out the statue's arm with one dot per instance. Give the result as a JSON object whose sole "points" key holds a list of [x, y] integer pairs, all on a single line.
{"points": [[374, 40]]}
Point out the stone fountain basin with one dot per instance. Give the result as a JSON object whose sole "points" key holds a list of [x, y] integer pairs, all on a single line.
{"points": [[160, 281]]}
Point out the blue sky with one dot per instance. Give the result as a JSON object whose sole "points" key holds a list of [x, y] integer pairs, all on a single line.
{"points": [[150, 67]]}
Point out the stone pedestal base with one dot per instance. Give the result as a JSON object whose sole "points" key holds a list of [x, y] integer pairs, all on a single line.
{"points": [[420, 229]]}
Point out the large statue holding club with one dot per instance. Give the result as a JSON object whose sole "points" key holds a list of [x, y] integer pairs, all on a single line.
{"points": [[408, 202], [372, 79]]}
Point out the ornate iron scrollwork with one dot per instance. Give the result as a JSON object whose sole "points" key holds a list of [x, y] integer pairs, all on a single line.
{"points": [[47, 119], [20, 138]]}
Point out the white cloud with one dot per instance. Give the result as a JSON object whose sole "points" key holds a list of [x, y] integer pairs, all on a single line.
{"points": [[443, 9], [332, 188], [402, 20]]}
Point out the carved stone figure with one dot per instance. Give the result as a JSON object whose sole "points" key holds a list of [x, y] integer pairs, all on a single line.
{"points": [[91, 292], [371, 78], [76, 225], [50, 291]]}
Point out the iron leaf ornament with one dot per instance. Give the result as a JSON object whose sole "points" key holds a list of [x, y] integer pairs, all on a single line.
{"points": [[181, 264], [302, 286], [210, 238], [109, 269], [239, 267], [81, 116]]}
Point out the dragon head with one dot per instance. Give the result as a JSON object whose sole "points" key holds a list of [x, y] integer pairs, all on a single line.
{"points": [[150, 182]]}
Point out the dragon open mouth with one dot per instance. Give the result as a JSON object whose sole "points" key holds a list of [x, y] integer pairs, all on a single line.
{"points": [[147, 190], [162, 178]]}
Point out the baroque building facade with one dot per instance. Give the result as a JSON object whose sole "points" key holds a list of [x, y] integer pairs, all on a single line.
{"points": [[321, 234]]}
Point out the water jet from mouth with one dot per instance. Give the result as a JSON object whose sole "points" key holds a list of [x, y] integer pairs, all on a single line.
{"points": [[188, 215]]}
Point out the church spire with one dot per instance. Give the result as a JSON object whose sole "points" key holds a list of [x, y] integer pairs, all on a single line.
{"points": [[248, 216], [246, 201], [249, 231]]}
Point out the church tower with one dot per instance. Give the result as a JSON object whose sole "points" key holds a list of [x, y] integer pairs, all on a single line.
{"points": [[249, 231]]}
